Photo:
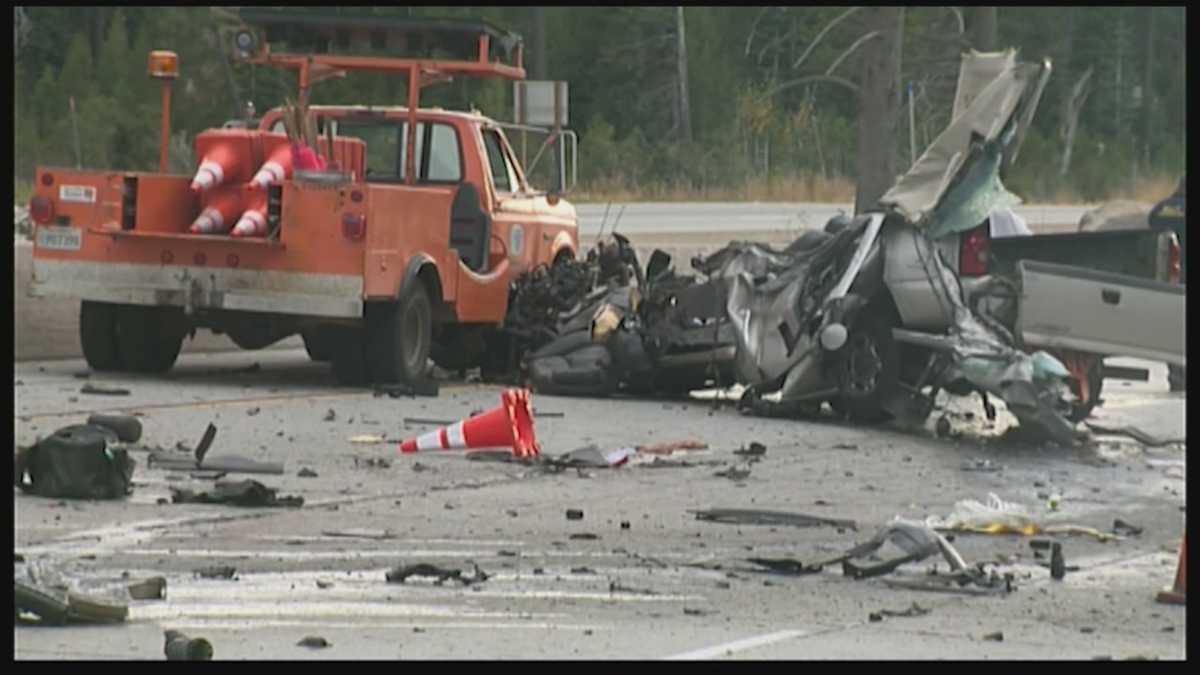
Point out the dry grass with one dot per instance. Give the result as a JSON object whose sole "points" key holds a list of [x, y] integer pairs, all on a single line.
{"points": [[801, 188]]}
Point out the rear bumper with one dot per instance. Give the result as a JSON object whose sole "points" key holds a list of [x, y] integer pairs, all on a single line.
{"points": [[192, 287]]}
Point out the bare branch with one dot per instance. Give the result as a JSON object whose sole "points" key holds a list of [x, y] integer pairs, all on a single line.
{"points": [[838, 61], [753, 27], [815, 78], [777, 41], [962, 26], [820, 35]]}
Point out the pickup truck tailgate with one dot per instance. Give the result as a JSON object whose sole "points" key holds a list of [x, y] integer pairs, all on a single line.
{"points": [[1111, 314]]}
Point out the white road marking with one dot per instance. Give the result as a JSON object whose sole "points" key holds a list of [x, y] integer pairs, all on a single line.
{"points": [[736, 646]]}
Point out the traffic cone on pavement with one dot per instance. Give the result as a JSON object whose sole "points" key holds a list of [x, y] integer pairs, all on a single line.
{"points": [[1177, 594], [276, 169], [221, 209], [253, 222], [510, 425]]}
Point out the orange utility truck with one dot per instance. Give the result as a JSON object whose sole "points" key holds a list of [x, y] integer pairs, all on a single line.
{"points": [[404, 243]]}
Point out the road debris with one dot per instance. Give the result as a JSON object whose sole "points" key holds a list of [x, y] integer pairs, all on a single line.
{"points": [[614, 587], [983, 465], [322, 584], [180, 647], [397, 390], [589, 457], [695, 611], [1057, 564], [671, 447], [360, 534], [999, 517], [1143, 437], [915, 610], [253, 411], [366, 439], [224, 463], [845, 446], [246, 493], [306, 472], [734, 473], [756, 449], [584, 536], [427, 421], [574, 514], [786, 566], [758, 517], [215, 572], [400, 574], [90, 388], [57, 606], [127, 427], [1125, 528], [75, 462], [330, 415], [372, 462], [997, 636], [314, 642], [154, 588]]}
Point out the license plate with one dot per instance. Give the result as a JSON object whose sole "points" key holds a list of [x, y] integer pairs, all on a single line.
{"points": [[80, 194], [60, 238]]}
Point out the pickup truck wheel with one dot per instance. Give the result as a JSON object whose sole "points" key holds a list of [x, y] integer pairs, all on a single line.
{"points": [[348, 358], [399, 336], [98, 335], [867, 367], [149, 338], [319, 343]]}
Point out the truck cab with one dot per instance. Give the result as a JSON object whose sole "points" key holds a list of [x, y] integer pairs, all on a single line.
{"points": [[373, 259]]}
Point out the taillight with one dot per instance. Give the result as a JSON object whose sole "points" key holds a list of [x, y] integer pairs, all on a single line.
{"points": [[973, 251], [41, 209], [1174, 261], [354, 225], [47, 179]]}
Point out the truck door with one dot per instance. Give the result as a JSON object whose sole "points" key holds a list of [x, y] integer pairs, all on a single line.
{"points": [[1100, 312], [515, 218]]}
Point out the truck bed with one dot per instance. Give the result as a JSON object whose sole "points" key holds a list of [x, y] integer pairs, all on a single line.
{"points": [[1134, 253]]}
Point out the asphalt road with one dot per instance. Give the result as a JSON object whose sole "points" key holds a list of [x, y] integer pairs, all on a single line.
{"points": [[668, 586]]}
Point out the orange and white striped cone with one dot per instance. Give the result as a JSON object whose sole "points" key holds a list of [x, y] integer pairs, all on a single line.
{"points": [[276, 169], [221, 209], [253, 222], [1177, 594], [217, 164], [510, 425]]}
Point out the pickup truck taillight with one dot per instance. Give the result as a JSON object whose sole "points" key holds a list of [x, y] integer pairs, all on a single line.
{"points": [[1174, 261], [41, 209], [973, 251]]}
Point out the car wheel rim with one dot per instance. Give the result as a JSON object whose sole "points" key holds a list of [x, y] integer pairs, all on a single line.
{"points": [[863, 365]]}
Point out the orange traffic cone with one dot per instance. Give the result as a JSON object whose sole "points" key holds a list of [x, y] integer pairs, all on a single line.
{"points": [[276, 169], [1177, 595], [221, 209], [226, 156], [253, 222], [510, 425]]}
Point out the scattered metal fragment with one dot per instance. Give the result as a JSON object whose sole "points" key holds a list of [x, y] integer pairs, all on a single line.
{"points": [[373, 462], [179, 647], [206, 440], [756, 449], [694, 611], [360, 534], [216, 572], [757, 517], [574, 514], [845, 446], [734, 473], [670, 447], [589, 456], [314, 642], [549, 414], [248, 493], [582, 570], [253, 411], [1057, 564], [614, 587], [330, 415], [322, 584], [786, 566], [914, 610], [1126, 528], [625, 525], [204, 475], [306, 473], [127, 427], [154, 588], [90, 388], [502, 553], [400, 574], [425, 420], [994, 637], [584, 536]]}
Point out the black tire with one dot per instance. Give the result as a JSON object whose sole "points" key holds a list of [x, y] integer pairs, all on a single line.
{"points": [[399, 336], [98, 335], [867, 366], [349, 358], [319, 343], [149, 338]]}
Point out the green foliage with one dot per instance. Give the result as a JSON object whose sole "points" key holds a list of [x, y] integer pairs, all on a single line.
{"points": [[620, 64]]}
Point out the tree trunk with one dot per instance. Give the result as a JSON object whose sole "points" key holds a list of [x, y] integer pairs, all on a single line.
{"points": [[982, 25], [685, 114], [878, 106], [1074, 105], [539, 44], [1147, 107]]}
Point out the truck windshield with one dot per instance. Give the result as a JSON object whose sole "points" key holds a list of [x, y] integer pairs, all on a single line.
{"points": [[438, 151]]}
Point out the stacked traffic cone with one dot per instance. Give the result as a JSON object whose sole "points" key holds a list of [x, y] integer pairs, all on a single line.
{"points": [[276, 169], [253, 222], [221, 209], [1177, 594], [510, 425], [226, 156]]}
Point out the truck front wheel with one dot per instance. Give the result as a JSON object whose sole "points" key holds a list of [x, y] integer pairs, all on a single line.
{"points": [[98, 335], [399, 336], [149, 338]]}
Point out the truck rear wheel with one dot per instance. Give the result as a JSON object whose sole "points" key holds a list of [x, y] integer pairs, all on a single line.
{"points": [[149, 338], [868, 366], [399, 336], [98, 335]]}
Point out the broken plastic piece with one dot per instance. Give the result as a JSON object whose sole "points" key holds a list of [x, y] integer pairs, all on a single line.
{"points": [[756, 517], [179, 647], [90, 388]]}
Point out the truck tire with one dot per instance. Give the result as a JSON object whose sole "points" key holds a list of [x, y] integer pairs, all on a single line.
{"points": [[399, 336], [98, 335], [867, 366], [149, 338], [319, 343], [348, 357]]}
